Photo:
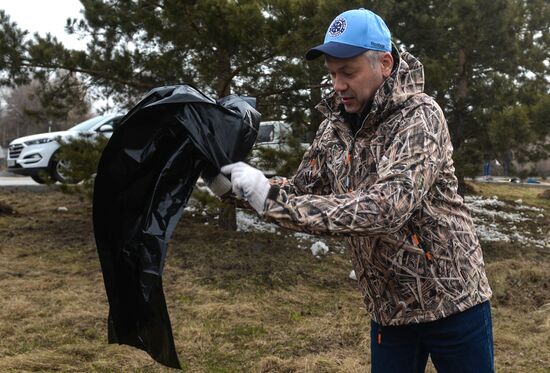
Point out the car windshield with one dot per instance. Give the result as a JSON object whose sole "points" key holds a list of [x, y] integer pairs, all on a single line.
{"points": [[87, 124], [265, 133]]}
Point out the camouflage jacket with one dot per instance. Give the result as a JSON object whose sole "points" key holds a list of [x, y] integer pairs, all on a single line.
{"points": [[390, 190]]}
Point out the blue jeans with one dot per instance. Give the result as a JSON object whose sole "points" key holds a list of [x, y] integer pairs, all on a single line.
{"points": [[460, 343]]}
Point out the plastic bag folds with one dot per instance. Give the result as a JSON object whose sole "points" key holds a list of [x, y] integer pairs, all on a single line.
{"points": [[144, 180]]}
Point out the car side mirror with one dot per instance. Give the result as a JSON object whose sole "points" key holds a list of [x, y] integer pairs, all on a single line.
{"points": [[105, 128]]}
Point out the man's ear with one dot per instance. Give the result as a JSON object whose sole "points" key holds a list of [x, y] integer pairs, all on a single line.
{"points": [[386, 62]]}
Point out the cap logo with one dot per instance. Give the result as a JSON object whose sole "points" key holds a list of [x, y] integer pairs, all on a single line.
{"points": [[337, 27]]}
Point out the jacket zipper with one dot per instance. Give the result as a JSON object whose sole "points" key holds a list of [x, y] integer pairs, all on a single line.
{"points": [[350, 155], [350, 165], [349, 189]]}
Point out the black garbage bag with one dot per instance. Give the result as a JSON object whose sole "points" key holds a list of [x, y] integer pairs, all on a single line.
{"points": [[145, 177]]}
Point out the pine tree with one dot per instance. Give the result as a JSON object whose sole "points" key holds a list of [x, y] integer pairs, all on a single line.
{"points": [[481, 57]]}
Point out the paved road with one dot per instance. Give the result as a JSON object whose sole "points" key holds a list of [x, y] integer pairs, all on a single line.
{"points": [[20, 182], [16, 181]]}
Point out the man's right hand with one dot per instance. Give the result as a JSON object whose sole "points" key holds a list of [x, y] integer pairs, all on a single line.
{"points": [[248, 183]]}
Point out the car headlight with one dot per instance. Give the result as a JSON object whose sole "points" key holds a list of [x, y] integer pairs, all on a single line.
{"points": [[39, 141]]}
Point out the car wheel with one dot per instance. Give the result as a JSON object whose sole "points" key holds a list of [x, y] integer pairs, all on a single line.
{"points": [[59, 171]]}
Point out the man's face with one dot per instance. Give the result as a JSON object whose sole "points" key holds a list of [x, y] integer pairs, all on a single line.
{"points": [[356, 80]]}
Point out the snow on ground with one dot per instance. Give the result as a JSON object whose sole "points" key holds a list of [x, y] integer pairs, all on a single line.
{"points": [[478, 206], [494, 225], [250, 222], [319, 248]]}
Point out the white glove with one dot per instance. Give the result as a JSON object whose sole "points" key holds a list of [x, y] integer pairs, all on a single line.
{"points": [[248, 183]]}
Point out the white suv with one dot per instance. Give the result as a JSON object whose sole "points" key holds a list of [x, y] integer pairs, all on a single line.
{"points": [[34, 155]]}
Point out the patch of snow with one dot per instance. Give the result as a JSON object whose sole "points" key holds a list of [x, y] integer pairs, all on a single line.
{"points": [[249, 222], [190, 208], [478, 206], [492, 225], [482, 202], [491, 234], [529, 208], [304, 236], [495, 225], [319, 248]]}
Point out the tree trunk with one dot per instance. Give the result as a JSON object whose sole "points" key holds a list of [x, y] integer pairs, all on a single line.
{"points": [[228, 216], [458, 131], [460, 118]]}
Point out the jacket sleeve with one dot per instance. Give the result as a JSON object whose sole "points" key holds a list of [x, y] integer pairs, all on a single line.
{"points": [[406, 172]]}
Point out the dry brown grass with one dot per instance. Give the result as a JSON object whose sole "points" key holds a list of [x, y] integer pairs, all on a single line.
{"points": [[530, 194], [237, 304]]}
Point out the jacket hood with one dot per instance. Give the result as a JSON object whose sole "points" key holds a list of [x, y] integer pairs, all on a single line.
{"points": [[406, 80]]}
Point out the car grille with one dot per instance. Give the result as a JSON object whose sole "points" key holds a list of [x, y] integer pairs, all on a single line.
{"points": [[15, 150]]}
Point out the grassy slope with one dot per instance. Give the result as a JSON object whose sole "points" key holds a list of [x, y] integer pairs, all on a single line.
{"points": [[239, 302], [520, 278], [513, 192]]}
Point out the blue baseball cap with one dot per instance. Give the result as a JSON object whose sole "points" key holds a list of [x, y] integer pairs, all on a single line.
{"points": [[352, 33]]}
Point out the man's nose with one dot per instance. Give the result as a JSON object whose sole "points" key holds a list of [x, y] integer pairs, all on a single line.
{"points": [[339, 84]]}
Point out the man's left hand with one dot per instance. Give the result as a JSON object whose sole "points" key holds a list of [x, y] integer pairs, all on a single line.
{"points": [[248, 183]]}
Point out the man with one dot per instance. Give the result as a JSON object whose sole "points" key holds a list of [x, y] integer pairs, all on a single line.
{"points": [[379, 173]]}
